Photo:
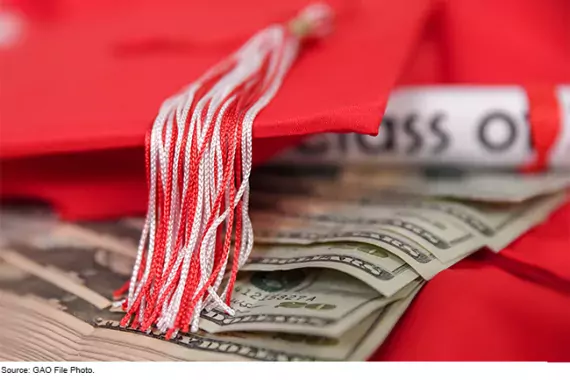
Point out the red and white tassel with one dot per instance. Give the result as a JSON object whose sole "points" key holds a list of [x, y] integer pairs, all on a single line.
{"points": [[199, 159]]}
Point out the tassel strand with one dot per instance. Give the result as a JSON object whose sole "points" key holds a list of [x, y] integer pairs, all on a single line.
{"points": [[197, 233]]}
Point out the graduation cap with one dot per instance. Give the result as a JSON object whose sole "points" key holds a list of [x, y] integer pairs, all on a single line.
{"points": [[228, 85], [83, 86]]}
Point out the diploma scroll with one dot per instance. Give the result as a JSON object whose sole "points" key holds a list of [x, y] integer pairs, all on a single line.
{"points": [[451, 125]]}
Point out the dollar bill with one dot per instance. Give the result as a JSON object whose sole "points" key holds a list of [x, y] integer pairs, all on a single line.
{"points": [[118, 253], [439, 236], [497, 224], [99, 335], [472, 224], [530, 216], [372, 265], [279, 230], [115, 241], [313, 301], [121, 236], [23, 297], [445, 228], [487, 186], [47, 320], [298, 301], [356, 344], [68, 265], [19, 222], [375, 266], [116, 236]]}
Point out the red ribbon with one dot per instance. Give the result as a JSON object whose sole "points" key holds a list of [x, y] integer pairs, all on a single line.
{"points": [[545, 124]]}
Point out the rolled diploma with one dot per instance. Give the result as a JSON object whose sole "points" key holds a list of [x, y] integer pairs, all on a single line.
{"points": [[453, 125]]}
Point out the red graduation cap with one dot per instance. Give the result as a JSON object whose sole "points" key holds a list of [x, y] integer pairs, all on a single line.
{"points": [[85, 82]]}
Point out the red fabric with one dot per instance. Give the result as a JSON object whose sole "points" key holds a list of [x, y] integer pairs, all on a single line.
{"points": [[493, 42], [511, 307]]}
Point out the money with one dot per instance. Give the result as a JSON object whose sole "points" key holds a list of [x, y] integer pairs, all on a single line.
{"points": [[122, 258], [305, 229], [528, 217], [116, 236], [443, 239], [374, 266], [70, 267], [484, 186], [121, 236], [356, 344], [448, 230], [75, 329], [427, 234], [23, 297], [497, 224], [318, 302], [338, 259], [370, 264], [114, 242]]}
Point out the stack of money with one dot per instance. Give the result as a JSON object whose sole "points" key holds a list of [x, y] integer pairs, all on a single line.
{"points": [[57, 301], [403, 224], [340, 254]]}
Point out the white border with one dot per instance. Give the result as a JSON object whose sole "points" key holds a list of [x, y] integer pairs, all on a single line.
{"points": [[288, 371]]}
